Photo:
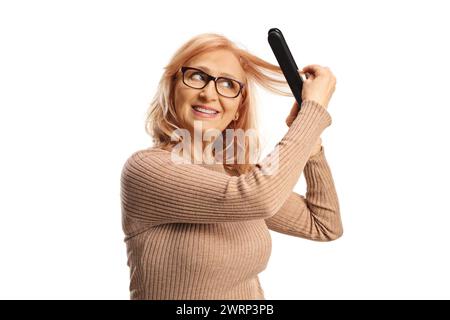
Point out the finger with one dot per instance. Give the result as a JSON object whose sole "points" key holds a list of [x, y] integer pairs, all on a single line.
{"points": [[312, 67], [319, 70], [315, 69], [305, 75]]}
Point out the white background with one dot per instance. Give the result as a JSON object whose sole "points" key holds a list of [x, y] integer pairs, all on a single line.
{"points": [[76, 78]]}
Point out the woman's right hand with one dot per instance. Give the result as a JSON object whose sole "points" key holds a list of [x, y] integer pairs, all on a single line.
{"points": [[319, 85]]}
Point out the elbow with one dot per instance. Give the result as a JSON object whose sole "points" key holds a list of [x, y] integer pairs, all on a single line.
{"points": [[330, 231], [336, 232]]}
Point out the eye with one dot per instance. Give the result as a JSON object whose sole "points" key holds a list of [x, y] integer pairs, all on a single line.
{"points": [[227, 83], [199, 75]]}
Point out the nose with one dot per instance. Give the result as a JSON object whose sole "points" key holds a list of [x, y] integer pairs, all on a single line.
{"points": [[210, 89]]}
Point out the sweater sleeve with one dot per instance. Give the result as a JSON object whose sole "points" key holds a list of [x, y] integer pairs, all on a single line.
{"points": [[316, 217], [157, 190]]}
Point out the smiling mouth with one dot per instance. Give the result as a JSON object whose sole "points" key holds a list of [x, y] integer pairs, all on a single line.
{"points": [[204, 112]]}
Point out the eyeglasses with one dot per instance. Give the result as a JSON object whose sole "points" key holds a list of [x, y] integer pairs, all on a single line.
{"points": [[198, 79]]}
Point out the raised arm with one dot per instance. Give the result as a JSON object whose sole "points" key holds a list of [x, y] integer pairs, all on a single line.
{"points": [[316, 217], [156, 190]]}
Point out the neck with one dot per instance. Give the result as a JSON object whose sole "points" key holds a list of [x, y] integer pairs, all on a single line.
{"points": [[198, 149], [197, 152]]}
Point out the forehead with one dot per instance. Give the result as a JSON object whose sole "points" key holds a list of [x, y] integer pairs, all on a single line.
{"points": [[219, 62]]}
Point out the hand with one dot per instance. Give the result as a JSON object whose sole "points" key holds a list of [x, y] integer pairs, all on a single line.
{"points": [[319, 85]]}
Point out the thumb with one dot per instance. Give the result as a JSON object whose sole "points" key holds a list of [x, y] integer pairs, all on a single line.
{"points": [[303, 75], [306, 76]]}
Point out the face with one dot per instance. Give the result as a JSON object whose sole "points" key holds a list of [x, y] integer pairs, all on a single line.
{"points": [[214, 63]]}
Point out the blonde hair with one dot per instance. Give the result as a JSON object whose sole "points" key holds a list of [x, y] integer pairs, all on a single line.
{"points": [[161, 119]]}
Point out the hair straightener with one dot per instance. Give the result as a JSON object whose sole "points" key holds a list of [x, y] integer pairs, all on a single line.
{"points": [[286, 62]]}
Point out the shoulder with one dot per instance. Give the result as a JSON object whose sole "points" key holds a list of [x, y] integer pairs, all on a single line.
{"points": [[147, 156], [152, 152]]}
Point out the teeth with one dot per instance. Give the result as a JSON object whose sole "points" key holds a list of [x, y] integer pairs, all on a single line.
{"points": [[205, 110]]}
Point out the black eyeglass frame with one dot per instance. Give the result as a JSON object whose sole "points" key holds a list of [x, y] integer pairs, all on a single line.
{"points": [[209, 78]]}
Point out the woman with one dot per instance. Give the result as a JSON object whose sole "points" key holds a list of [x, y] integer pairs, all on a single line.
{"points": [[201, 230]]}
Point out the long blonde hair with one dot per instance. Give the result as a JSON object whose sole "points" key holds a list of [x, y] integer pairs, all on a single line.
{"points": [[161, 119]]}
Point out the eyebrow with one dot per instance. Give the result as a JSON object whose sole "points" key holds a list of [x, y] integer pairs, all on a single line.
{"points": [[222, 74]]}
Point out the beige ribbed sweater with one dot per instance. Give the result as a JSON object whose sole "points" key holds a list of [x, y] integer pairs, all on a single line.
{"points": [[193, 231]]}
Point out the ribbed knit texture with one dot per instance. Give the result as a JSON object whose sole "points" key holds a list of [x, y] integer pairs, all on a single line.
{"points": [[194, 231]]}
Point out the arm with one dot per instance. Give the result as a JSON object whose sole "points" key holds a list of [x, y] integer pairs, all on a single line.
{"points": [[316, 217], [155, 190]]}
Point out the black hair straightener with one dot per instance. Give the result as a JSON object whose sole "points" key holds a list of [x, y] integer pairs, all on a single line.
{"points": [[286, 62]]}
